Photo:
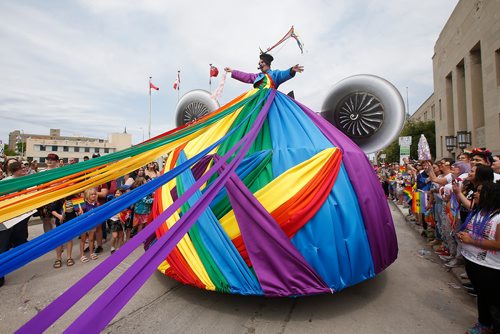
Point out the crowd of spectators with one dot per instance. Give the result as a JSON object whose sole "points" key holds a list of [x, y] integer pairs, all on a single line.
{"points": [[118, 229], [457, 203]]}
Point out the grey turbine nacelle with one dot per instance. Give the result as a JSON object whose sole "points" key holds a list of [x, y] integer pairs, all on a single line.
{"points": [[367, 108], [193, 105]]}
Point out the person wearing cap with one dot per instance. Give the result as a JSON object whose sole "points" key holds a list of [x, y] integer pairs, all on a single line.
{"points": [[52, 161], [277, 76]]}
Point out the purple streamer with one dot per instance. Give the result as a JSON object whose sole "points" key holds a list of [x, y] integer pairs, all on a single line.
{"points": [[280, 268], [98, 315], [376, 215]]}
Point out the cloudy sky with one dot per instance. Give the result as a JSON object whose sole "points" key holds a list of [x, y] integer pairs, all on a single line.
{"points": [[83, 66]]}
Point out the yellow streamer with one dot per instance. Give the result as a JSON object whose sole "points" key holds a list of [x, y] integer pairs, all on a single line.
{"points": [[185, 246], [281, 189]]}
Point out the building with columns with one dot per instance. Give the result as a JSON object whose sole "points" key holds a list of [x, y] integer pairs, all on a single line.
{"points": [[466, 69]]}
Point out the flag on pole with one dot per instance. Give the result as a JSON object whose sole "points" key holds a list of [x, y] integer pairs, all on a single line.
{"points": [[153, 86], [177, 82], [214, 71]]}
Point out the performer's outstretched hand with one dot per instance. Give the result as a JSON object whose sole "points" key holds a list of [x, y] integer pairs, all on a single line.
{"points": [[228, 69], [298, 68]]}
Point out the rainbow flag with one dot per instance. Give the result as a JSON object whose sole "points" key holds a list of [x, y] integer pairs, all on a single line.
{"points": [[453, 210], [419, 202], [429, 218], [408, 194], [77, 203]]}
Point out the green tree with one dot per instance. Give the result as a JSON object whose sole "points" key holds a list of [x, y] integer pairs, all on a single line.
{"points": [[413, 129], [21, 147], [7, 151]]}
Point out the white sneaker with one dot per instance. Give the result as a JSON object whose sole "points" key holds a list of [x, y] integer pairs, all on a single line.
{"points": [[446, 258], [453, 263]]}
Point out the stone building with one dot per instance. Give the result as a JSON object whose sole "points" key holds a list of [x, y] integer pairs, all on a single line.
{"points": [[38, 146], [426, 112], [466, 67]]}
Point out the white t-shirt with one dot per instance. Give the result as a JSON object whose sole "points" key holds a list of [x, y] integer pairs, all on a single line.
{"points": [[447, 188], [487, 258]]}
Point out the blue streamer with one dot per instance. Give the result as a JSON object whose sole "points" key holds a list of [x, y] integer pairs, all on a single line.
{"points": [[25, 253]]}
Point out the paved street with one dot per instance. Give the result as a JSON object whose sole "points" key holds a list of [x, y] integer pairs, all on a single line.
{"points": [[415, 295]]}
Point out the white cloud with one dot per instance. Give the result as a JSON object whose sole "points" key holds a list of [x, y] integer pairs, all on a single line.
{"points": [[84, 66]]}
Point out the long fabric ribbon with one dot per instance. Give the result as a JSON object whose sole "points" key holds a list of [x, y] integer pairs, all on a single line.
{"points": [[21, 255], [57, 308], [379, 228], [98, 315]]}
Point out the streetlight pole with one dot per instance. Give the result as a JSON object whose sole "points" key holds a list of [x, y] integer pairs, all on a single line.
{"points": [[149, 120], [407, 103]]}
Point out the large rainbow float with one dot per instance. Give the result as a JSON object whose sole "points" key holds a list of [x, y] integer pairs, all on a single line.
{"points": [[261, 197]]}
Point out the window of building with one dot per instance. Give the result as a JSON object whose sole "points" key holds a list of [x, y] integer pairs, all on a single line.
{"points": [[497, 63], [54, 148], [106, 150], [42, 160], [42, 147], [433, 110], [65, 148], [77, 149], [87, 149], [96, 150], [440, 111], [425, 115]]}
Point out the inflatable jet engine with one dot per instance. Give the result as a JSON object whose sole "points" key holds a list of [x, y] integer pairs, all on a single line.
{"points": [[367, 108]]}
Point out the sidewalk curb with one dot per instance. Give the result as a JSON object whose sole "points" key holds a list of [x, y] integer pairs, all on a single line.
{"points": [[456, 272]]}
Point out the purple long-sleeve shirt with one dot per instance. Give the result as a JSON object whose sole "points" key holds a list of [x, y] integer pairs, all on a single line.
{"points": [[278, 76]]}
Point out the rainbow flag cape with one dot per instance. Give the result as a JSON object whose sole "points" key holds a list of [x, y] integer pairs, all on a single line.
{"points": [[260, 197]]}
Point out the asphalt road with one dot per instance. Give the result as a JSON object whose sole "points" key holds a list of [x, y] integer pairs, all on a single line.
{"points": [[414, 295]]}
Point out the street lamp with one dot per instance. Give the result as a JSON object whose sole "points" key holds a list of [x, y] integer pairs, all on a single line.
{"points": [[463, 139], [450, 142]]}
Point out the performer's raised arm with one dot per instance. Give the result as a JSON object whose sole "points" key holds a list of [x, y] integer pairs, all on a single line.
{"points": [[277, 76]]}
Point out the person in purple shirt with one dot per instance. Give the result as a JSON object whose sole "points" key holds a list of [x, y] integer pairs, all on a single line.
{"points": [[277, 76]]}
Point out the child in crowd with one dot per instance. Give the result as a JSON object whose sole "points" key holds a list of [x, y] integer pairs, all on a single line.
{"points": [[90, 197], [142, 208], [116, 227], [64, 210]]}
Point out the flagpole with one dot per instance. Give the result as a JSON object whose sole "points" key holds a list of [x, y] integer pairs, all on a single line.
{"points": [[178, 84], [210, 80], [149, 121]]}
